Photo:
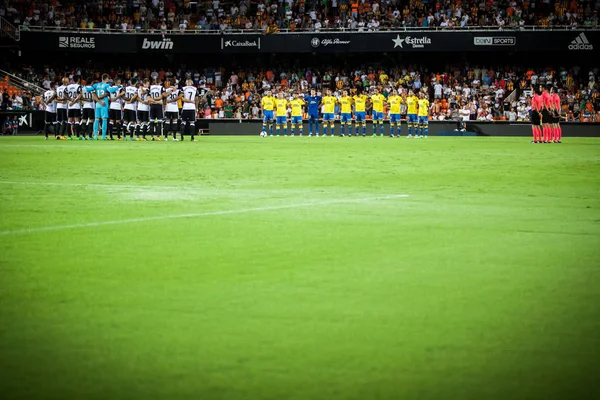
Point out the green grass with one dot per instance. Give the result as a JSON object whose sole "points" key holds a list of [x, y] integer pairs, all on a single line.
{"points": [[314, 283]]}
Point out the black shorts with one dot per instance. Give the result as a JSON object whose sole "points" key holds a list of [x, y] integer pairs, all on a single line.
{"points": [[156, 112], [49, 117], [61, 115], [74, 113], [556, 117], [143, 116], [172, 116], [535, 117], [88, 113], [546, 117], [129, 115], [114, 115], [188, 115]]}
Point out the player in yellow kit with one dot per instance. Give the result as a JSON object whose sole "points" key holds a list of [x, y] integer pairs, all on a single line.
{"points": [[297, 106], [268, 105], [423, 115], [346, 120], [377, 100], [328, 112], [395, 101], [411, 113], [281, 105], [360, 113]]}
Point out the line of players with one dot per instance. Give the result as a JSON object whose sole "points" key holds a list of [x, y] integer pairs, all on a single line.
{"points": [[351, 108], [545, 116], [135, 111]]}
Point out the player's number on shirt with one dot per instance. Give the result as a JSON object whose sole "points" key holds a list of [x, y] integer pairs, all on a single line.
{"points": [[189, 95]]}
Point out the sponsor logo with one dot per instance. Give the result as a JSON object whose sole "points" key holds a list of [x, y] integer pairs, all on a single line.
{"points": [[165, 44], [316, 42], [76, 42], [494, 40], [236, 43], [412, 42], [581, 43], [23, 120]]}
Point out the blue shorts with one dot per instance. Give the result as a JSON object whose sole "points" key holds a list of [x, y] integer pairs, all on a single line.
{"points": [[346, 117], [101, 112], [281, 120], [395, 118], [268, 115], [313, 115], [377, 116], [411, 118], [329, 117], [296, 120], [423, 120], [361, 116]]}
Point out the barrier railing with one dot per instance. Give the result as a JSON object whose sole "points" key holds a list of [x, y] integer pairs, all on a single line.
{"points": [[307, 31], [9, 29], [20, 83]]}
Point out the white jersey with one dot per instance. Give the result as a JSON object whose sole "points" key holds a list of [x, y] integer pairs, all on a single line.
{"points": [[116, 104], [156, 92], [50, 105], [88, 100], [189, 92], [142, 97], [172, 101], [130, 93], [61, 93], [73, 91]]}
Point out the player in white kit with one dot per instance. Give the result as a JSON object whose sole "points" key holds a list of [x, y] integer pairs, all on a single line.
{"points": [[129, 112], [189, 109], [50, 111], [74, 108], [172, 110], [143, 110], [88, 113], [115, 110], [61, 108]]}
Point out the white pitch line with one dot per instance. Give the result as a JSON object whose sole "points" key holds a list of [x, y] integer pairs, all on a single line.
{"points": [[195, 215], [106, 185]]}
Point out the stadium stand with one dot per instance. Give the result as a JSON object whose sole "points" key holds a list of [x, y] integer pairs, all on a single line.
{"points": [[458, 92], [294, 15]]}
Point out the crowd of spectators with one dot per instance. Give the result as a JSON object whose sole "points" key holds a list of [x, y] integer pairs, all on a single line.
{"points": [[459, 92], [272, 16]]}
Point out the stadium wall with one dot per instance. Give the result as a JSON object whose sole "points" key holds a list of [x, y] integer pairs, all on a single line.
{"points": [[32, 122], [572, 41], [570, 129]]}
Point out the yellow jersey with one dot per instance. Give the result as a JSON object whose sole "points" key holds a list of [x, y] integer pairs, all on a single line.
{"points": [[281, 105], [411, 103], [346, 102], [268, 103], [360, 103], [395, 103], [423, 108], [297, 107], [329, 104], [377, 100]]}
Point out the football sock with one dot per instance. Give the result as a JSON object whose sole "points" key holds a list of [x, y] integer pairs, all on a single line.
{"points": [[104, 129], [95, 129], [192, 130]]}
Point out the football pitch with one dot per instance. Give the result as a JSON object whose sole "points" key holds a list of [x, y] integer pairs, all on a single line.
{"points": [[243, 268]]}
